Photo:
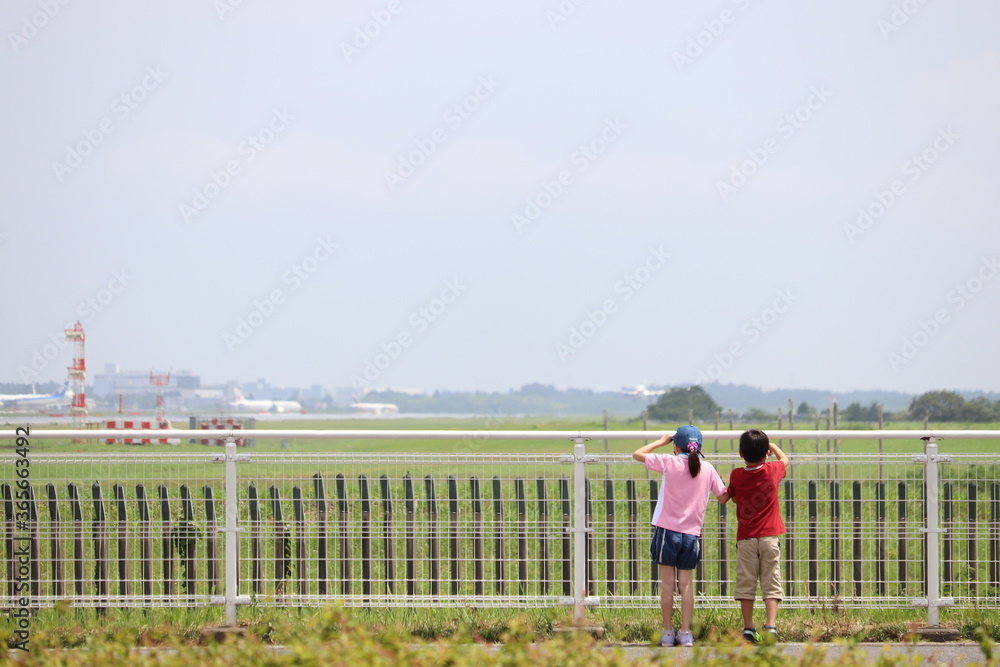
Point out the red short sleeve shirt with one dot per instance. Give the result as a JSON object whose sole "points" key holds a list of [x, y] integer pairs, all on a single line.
{"points": [[755, 493]]}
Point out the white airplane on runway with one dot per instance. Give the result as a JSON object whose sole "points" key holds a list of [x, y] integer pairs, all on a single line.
{"points": [[376, 408], [263, 405], [61, 396]]}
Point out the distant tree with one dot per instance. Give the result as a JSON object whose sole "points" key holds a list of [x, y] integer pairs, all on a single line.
{"points": [[980, 409], [536, 389], [757, 415], [676, 404], [941, 406], [852, 412], [855, 412], [805, 410]]}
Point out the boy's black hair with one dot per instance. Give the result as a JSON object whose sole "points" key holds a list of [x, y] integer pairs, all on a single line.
{"points": [[754, 445]]}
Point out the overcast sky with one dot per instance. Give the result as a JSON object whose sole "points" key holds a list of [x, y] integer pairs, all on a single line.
{"points": [[467, 195]]}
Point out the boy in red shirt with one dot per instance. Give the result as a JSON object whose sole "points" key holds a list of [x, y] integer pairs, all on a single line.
{"points": [[754, 489]]}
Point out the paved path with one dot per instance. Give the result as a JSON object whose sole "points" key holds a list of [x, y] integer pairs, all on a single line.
{"points": [[949, 653]]}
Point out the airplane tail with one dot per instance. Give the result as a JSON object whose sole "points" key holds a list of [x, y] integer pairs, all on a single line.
{"points": [[238, 394], [61, 392]]}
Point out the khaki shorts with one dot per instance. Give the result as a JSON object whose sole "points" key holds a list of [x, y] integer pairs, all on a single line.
{"points": [[758, 558]]}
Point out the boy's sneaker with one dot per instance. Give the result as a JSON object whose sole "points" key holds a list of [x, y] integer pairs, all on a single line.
{"points": [[751, 635], [685, 638], [667, 638], [772, 630]]}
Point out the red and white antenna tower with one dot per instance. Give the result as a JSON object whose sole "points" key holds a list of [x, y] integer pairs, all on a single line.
{"points": [[159, 381], [78, 373]]}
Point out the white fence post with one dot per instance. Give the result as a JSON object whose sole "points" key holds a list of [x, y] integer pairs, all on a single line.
{"points": [[933, 531], [232, 537], [579, 531]]}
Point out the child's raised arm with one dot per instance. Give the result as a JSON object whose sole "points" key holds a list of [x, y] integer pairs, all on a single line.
{"points": [[640, 454], [778, 454]]}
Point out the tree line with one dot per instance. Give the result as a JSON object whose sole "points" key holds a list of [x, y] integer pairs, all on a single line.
{"points": [[682, 403]]}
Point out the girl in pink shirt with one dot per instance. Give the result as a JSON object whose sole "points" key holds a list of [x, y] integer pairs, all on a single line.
{"points": [[678, 519]]}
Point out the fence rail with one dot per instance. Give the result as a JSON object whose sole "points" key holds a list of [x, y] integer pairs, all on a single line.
{"points": [[288, 529]]}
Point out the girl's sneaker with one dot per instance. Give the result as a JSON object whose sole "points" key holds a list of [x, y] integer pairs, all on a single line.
{"points": [[667, 638], [751, 635], [772, 630], [685, 638]]}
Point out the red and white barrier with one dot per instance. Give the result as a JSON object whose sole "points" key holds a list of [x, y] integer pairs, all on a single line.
{"points": [[220, 423], [146, 425]]}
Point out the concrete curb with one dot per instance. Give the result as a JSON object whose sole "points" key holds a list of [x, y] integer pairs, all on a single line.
{"points": [[950, 653]]}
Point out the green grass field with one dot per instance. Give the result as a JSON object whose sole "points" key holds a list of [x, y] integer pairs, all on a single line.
{"points": [[70, 627], [500, 422], [468, 637]]}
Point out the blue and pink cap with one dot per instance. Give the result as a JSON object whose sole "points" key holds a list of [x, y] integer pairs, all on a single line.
{"points": [[688, 439]]}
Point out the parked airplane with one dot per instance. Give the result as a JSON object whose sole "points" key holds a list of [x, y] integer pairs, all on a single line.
{"points": [[63, 395], [376, 408], [263, 405], [642, 390]]}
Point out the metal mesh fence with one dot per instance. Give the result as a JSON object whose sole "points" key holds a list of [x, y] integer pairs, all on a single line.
{"points": [[854, 533], [113, 530], [970, 518], [400, 530]]}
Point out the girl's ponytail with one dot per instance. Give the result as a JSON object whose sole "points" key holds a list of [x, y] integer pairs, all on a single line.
{"points": [[694, 460]]}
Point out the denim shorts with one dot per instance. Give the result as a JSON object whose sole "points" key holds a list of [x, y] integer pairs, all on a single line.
{"points": [[678, 550]]}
